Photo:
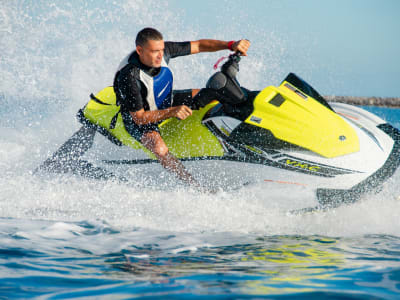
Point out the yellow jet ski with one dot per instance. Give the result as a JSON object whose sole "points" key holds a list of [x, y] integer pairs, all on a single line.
{"points": [[287, 136]]}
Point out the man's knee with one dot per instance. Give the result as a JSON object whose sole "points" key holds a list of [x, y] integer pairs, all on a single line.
{"points": [[154, 142], [161, 150]]}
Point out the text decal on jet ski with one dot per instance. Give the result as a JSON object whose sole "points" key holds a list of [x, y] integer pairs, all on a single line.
{"points": [[296, 91], [255, 119], [306, 166], [302, 165]]}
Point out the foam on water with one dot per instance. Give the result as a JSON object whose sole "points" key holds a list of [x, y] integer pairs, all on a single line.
{"points": [[251, 209], [54, 55]]}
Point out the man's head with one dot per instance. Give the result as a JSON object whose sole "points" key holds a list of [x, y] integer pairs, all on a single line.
{"points": [[150, 47]]}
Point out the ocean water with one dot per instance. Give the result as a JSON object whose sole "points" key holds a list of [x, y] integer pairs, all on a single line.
{"points": [[66, 236]]}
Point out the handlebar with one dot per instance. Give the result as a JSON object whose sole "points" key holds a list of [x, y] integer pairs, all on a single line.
{"points": [[225, 84], [236, 56], [231, 66]]}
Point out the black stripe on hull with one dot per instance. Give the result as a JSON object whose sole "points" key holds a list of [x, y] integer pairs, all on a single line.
{"points": [[248, 156]]}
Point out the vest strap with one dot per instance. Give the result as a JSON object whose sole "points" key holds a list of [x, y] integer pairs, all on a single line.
{"points": [[97, 100], [115, 118]]}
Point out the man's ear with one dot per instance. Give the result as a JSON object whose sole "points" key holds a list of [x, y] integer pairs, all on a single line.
{"points": [[139, 49]]}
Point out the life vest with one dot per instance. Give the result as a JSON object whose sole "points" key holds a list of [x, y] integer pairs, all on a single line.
{"points": [[159, 87]]}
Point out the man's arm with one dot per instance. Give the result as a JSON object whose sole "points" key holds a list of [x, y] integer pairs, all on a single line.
{"points": [[142, 117], [216, 45]]}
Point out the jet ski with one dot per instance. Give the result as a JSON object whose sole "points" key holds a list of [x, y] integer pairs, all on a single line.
{"points": [[288, 137]]}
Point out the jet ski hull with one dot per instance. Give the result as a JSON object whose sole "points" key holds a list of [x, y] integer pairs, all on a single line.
{"points": [[327, 182], [287, 175], [287, 139]]}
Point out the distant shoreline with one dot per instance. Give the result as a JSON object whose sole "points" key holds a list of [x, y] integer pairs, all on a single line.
{"points": [[366, 101]]}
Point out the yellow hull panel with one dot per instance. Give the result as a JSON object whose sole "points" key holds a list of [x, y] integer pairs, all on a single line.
{"points": [[301, 120], [184, 138]]}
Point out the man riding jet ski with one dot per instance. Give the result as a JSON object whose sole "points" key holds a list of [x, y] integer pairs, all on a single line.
{"points": [[144, 92], [143, 86], [287, 136]]}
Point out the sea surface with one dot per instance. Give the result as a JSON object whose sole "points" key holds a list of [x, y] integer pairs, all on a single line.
{"points": [[65, 236]]}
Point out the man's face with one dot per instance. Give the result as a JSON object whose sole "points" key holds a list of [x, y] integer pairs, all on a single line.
{"points": [[151, 53]]}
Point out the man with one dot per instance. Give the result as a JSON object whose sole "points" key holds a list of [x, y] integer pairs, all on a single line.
{"points": [[143, 86]]}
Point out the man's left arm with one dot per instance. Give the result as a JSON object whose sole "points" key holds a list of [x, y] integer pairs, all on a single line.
{"points": [[208, 45]]}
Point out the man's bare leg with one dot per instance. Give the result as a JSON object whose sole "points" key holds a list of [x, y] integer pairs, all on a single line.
{"points": [[154, 142]]}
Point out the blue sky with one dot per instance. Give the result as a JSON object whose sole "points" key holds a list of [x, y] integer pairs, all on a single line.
{"points": [[347, 47]]}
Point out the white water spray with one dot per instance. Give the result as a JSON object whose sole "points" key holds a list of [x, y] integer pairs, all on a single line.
{"points": [[54, 55]]}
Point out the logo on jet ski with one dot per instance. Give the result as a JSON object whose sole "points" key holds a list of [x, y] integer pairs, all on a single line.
{"points": [[255, 119], [303, 165], [309, 167]]}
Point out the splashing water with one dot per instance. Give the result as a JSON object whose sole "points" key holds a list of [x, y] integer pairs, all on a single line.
{"points": [[54, 55]]}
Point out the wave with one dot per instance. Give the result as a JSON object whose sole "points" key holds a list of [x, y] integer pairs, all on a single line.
{"points": [[55, 55]]}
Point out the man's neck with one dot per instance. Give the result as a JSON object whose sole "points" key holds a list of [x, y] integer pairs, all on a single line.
{"points": [[147, 69]]}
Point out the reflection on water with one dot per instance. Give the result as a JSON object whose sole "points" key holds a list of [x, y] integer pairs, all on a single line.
{"points": [[272, 265], [293, 265], [93, 259]]}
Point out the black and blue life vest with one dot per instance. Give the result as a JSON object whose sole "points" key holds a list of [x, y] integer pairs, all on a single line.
{"points": [[159, 87]]}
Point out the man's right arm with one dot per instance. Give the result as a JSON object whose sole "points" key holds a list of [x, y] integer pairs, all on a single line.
{"points": [[208, 45], [142, 117]]}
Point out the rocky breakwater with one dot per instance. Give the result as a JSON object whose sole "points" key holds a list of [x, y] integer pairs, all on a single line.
{"points": [[366, 101]]}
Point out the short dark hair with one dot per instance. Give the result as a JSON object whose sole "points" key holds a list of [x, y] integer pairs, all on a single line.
{"points": [[147, 34]]}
